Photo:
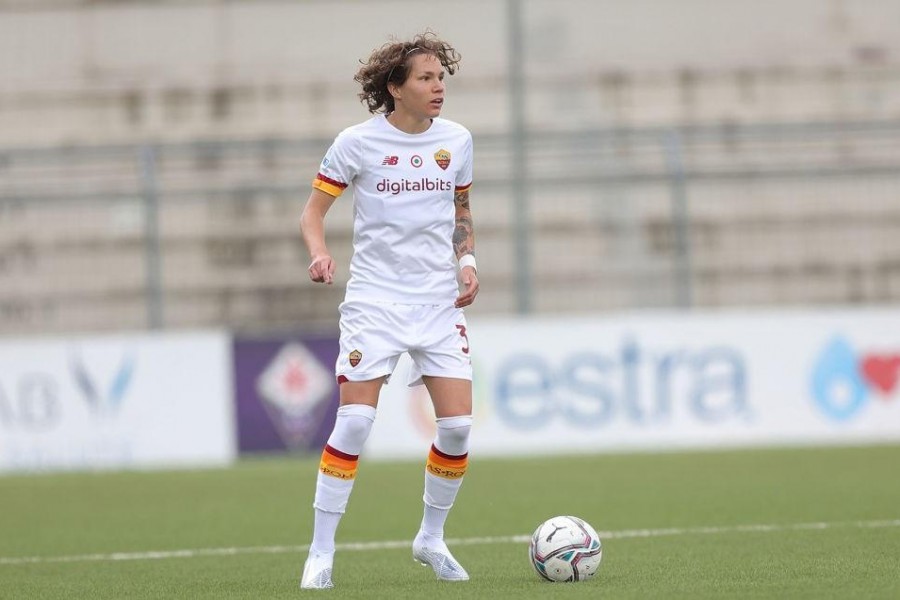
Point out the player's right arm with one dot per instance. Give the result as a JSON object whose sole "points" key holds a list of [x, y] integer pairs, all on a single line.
{"points": [[312, 226], [338, 168]]}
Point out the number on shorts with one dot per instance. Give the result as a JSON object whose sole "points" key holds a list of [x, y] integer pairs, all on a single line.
{"points": [[462, 333]]}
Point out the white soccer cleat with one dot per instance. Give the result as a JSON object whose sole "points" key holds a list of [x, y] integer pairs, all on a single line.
{"points": [[317, 572], [434, 553]]}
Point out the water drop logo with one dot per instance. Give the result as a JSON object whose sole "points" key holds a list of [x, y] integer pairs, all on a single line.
{"points": [[844, 379]]}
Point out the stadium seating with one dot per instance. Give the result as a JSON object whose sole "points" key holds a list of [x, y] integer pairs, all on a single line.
{"points": [[773, 215], [147, 185]]}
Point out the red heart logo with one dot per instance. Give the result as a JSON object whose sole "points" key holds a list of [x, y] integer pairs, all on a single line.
{"points": [[882, 372]]}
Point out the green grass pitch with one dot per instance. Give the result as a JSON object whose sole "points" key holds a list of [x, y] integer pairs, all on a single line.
{"points": [[790, 523]]}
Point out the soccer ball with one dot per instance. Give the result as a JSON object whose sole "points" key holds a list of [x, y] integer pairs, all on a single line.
{"points": [[565, 549]]}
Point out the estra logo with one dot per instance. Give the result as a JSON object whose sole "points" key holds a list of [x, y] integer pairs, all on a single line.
{"points": [[845, 379]]}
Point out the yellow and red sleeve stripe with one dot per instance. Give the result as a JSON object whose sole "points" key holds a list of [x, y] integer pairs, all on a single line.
{"points": [[338, 464], [330, 186], [445, 465], [463, 188]]}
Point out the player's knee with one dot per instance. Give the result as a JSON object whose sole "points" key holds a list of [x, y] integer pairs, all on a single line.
{"points": [[357, 427], [352, 427], [453, 434]]}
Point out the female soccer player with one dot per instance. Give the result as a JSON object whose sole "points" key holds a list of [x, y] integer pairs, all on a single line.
{"points": [[413, 245]]}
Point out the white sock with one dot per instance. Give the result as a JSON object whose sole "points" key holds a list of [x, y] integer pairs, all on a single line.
{"points": [[433, 521], [324, 530], [337, 471], [444, 470]]}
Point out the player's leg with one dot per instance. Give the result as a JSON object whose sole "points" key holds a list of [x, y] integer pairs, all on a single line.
{"points": [[444, 470], [368, 354], [446, 371], [337, 472], [448, 456]]}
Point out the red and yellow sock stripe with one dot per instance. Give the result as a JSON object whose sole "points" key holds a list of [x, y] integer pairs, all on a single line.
{"points": [[338, 464], [445, 465]]}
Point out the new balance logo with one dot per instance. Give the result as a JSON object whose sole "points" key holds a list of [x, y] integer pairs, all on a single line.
{"points": [[390, 160]]}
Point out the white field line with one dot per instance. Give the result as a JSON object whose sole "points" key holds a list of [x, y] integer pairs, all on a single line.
{"points": [[473, 541]]}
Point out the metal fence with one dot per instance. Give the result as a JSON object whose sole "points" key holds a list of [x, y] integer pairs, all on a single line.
{"points": [[206, 233]]}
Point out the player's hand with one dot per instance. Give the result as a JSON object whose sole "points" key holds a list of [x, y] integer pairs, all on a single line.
{"points": [[321, 269], [469, 280]]}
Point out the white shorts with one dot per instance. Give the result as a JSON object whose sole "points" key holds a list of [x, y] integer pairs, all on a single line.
{"points": [[375, 334]]}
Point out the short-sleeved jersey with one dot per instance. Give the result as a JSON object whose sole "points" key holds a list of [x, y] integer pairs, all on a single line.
{"points": [[403, 207]]}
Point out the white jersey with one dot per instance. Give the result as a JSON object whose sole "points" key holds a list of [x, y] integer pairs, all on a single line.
{"points": [[403, 208]]}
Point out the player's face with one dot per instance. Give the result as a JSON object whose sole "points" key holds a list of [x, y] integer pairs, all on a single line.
{"points": [[422, 94]]}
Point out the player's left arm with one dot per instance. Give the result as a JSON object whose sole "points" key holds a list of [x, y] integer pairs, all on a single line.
{"points": [[463, 244]]}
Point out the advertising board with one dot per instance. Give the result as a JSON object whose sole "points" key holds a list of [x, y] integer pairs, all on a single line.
{"points": [[662, 381], [116, 402]]}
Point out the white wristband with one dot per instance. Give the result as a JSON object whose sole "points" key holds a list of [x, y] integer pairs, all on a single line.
{"points": [[467, 260]]}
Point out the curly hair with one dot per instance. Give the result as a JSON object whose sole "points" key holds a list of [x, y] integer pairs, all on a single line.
{"points": [[390, 64]]}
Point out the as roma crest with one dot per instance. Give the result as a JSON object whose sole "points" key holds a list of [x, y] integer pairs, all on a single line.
{"points": [[355, 357], [442, 158]]}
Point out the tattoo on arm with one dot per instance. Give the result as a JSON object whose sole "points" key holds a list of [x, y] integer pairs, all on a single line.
{"points": [[464, 233], [461, 200]]}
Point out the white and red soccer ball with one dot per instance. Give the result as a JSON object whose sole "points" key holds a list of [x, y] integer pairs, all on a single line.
{"points": [[565, 548]]}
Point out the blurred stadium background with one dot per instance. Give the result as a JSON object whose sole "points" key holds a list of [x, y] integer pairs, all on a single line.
{"points": [[688, 230], [154, 156]]}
